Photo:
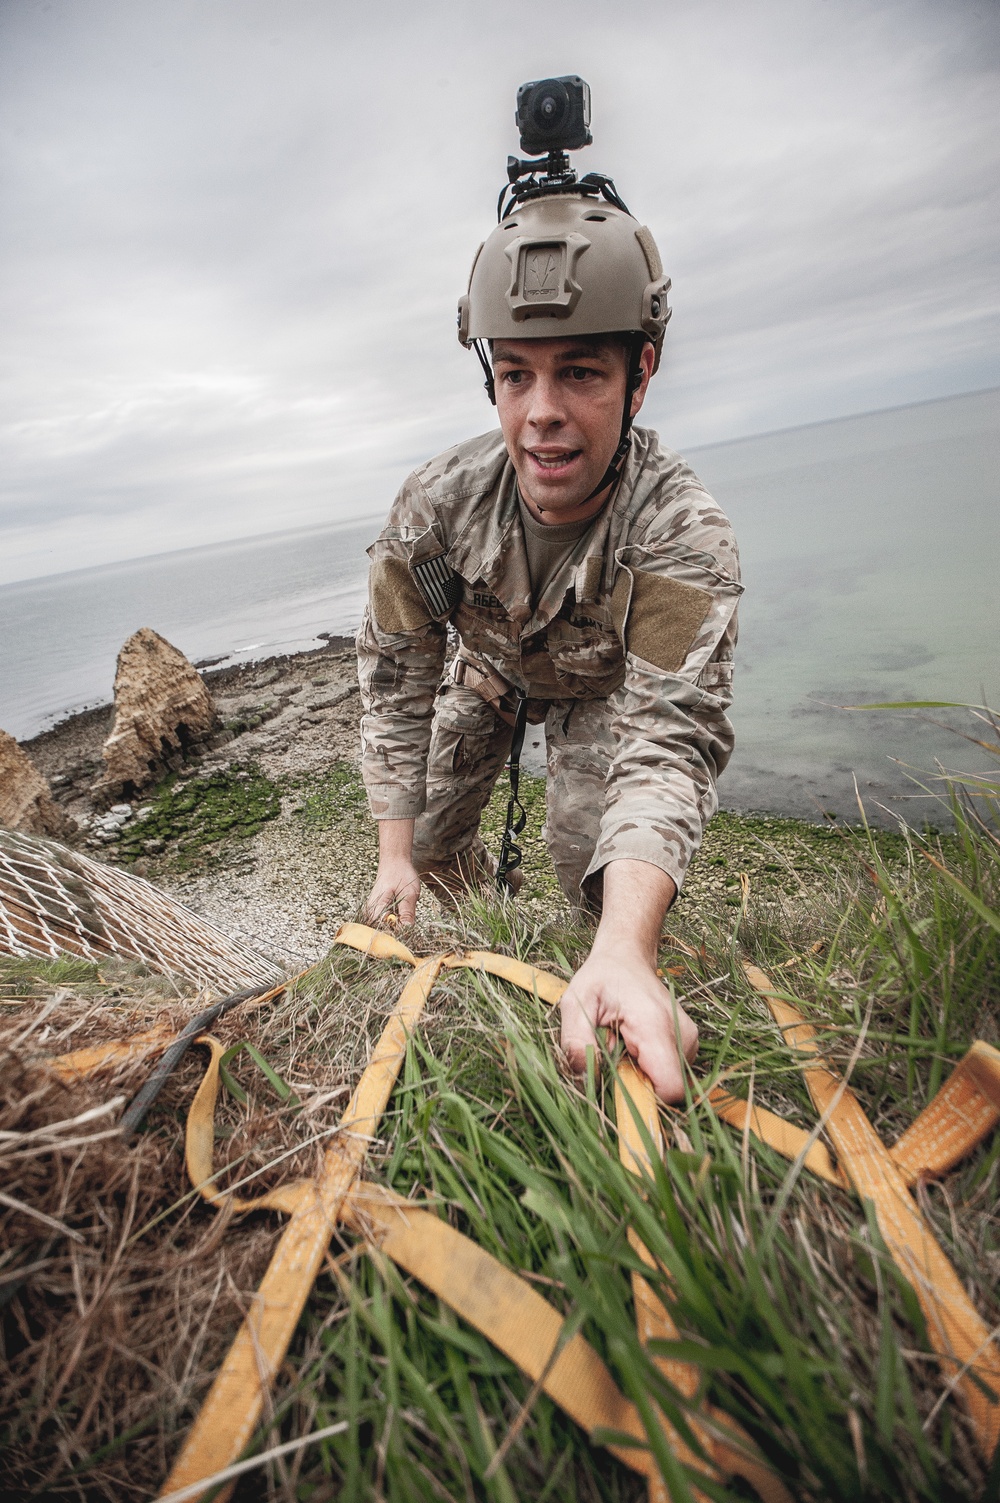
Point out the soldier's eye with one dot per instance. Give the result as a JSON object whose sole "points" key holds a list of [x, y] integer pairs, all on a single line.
{"points": [[580, 373]]}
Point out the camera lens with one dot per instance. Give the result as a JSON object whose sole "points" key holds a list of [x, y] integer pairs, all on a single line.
{"points": [[549, 108]]}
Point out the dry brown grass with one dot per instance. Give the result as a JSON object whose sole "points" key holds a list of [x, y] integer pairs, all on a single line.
{"points": [[121, 1289]]}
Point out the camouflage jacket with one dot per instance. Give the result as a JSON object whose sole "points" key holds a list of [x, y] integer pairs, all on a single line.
{"points": [[643, 614]]}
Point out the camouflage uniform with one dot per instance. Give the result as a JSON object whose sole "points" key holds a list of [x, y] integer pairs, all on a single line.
{"points": [[627, 656]]}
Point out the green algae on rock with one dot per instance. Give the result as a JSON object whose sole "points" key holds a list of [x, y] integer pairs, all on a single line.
{"points": [[186, 818]]}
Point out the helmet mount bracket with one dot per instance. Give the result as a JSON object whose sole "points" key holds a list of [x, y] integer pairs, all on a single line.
{"points": [[556, 176]]}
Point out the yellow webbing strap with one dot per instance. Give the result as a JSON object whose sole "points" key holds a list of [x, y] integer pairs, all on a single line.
{"points": [[520, 1323], [505, 1309], [784, 1137], [501, 1305], [653, 1321], [737, 1456], [957, 1332], [199, 1145], [233, 1407], [83, 1062], [497, 1302], [117, 1051], [528, 977], [965, 1109], [961, 1115], [963, 1112]]}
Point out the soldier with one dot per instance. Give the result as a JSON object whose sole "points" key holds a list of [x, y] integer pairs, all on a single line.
{"points": [[591, 582]]}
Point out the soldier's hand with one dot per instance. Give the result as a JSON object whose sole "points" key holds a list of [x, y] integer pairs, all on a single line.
{"points": [[396, 890], [618, 988], [397, 883], [622, 992]]}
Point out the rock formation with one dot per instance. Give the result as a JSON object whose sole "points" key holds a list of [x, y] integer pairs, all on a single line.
{"points": [[162, 712], [25, 802]]}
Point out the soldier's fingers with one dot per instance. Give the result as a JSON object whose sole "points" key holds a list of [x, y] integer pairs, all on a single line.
{"points": [[376, 903], [655, 1050], [578, 1033], [658, 1059], [406, 905], [382, 901]]}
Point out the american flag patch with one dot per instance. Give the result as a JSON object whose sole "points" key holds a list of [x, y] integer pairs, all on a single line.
{"points": [[440, 586]]}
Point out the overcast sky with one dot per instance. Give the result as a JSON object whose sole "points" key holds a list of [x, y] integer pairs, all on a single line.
{"points": [[233, 232]]}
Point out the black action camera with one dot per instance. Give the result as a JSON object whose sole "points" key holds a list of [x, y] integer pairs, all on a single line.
{"points": [[553, 114]]}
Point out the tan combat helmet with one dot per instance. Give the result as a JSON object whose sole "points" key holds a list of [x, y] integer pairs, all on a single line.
{"points": [[563, 264]]}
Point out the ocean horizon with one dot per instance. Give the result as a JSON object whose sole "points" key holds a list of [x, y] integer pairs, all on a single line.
{"points": [[868, 546]]}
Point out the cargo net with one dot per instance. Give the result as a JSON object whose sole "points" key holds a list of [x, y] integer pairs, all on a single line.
{"points": [[54, 901]]}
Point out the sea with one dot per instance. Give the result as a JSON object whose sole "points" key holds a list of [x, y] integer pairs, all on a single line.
{"points": [[870, 549]]}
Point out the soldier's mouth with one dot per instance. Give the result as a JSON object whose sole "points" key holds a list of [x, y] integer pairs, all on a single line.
{"points": [[551, 462]]}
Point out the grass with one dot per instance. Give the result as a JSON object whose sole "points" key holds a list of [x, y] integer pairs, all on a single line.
{"points": [[330, 798], [800, 1325]]}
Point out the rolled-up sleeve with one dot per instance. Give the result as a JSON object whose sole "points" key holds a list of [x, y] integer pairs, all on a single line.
{"points": [[675, 608]]}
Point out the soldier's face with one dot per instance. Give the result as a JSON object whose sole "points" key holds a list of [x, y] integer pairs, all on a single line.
{"points": [[560, 407]]}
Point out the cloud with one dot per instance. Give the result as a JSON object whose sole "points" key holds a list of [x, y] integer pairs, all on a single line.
{"points": [[234, 235]]}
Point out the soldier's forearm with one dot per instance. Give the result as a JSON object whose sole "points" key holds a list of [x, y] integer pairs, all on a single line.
{"points": [[636, 898], [399, 680], [395, 839]]}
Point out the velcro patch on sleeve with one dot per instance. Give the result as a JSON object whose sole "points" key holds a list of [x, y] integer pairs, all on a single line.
{"points": [[661, 620], [397, 603]]}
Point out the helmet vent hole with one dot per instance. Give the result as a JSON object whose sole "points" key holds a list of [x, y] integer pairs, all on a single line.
{"points": [[599, 217], [512, 225]]}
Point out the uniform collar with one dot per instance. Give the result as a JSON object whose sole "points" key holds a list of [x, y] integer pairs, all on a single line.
{"points": [[496, 555]]}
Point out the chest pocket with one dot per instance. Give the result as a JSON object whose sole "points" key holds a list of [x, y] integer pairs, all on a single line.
{"points": [[585, 652]]}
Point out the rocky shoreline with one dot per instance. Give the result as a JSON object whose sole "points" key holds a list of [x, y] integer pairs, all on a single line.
{"points": [[264, 706], [267, 835], [288, 719]]}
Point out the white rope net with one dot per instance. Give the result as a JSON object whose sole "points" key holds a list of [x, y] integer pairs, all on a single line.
{"points": [[54, 901]]}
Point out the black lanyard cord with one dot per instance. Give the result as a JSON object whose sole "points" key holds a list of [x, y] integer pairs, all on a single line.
{"points": [[510, 853]]}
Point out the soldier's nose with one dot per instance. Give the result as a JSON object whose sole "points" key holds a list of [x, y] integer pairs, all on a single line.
{"points": [[545, 409]]}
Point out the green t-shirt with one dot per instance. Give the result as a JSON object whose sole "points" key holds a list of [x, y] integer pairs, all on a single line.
{"points": [[547, 547]]}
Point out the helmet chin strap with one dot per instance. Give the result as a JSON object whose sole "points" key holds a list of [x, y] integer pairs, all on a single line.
{"points": [[490, 382]]}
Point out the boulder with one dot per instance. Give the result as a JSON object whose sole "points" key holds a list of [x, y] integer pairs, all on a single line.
{"points": [[163, 712], [25, 802]]}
